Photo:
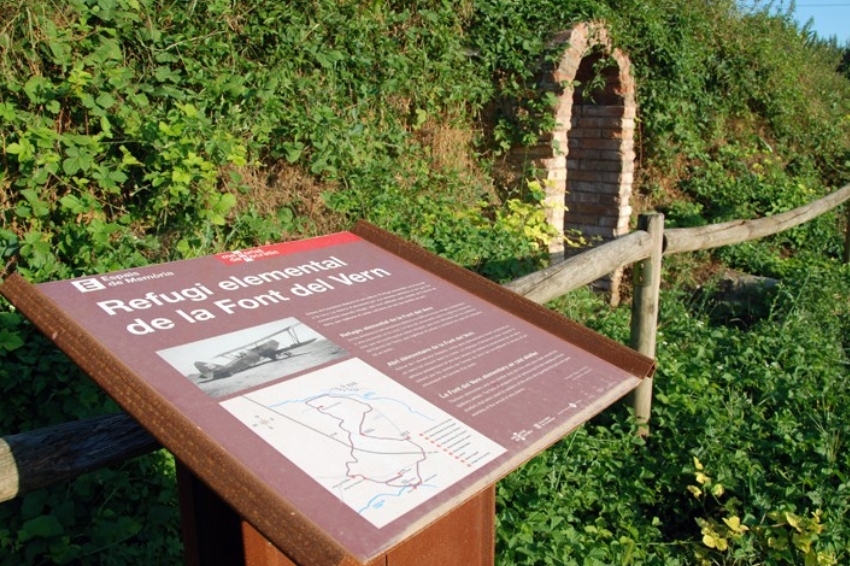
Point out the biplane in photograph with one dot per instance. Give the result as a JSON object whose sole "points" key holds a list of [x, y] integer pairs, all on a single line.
{"points": [[260, 351]]}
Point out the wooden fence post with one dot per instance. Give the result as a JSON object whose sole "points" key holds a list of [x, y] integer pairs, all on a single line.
{"points": [[847, 233], [647, 281]]}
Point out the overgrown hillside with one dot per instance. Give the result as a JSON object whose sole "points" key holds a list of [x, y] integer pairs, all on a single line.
{"points": [[137, 131]]}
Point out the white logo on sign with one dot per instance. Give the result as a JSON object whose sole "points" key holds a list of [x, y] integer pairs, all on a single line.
{"points": [[521, 435], [88, 285]]}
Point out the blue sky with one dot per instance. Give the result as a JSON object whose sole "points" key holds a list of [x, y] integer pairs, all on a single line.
{"points": [[831, 17]]}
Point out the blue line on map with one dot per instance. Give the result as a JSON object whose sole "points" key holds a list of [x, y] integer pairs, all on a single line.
{"points": [[372, 505]]}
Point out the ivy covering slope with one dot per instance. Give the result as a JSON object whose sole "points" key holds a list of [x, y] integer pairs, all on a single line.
{"points": [[137, 131]]}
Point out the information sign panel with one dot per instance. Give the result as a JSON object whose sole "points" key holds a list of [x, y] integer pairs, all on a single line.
{"points": [[341, 392]]}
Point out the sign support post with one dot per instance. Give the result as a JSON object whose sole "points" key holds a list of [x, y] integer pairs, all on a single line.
{"points": [[213, 534]]}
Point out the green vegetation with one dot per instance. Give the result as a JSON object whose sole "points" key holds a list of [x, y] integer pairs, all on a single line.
{"points": [[137, 131]]}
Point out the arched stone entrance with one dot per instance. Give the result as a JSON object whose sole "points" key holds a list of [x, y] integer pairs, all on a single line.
{"points": [[588, 160]]}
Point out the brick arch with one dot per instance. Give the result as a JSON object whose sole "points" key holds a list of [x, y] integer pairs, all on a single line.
{"points": [[588, 159]]}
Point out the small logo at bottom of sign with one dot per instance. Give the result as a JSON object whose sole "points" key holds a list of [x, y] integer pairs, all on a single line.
{"points": [[521, 435]]}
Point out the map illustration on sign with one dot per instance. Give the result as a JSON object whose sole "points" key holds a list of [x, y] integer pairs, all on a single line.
{"points": [[374, 444]]}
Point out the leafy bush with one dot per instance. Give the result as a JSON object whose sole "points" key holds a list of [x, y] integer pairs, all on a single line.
{"points": [[126, 515], [135, 131], [707, 72], [744, 462]]}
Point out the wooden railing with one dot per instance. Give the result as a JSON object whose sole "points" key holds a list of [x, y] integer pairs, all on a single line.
{"points": [[36, 459], [579, 270]]}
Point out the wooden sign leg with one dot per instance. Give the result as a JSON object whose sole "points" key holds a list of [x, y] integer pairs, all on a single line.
{"points": [[464, 537], [211, 529], [213, 534]]}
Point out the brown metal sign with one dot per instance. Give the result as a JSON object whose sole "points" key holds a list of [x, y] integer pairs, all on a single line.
{"points": [[342, 392]]}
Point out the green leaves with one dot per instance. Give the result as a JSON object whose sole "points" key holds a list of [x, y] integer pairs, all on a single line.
{"points": [[78, 159], [741, 466], [10, 337], [39, 89], [43, 526]]}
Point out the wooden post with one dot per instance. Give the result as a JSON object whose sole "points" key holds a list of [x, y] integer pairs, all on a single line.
{"points": [[647, 281], [214, 534], [211, 529], [464, 536], [847, 233]]}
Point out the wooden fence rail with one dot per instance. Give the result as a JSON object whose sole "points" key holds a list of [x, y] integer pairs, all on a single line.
{"points": [[36, 459], [39, 458], [579, 270], [737, 231]]}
